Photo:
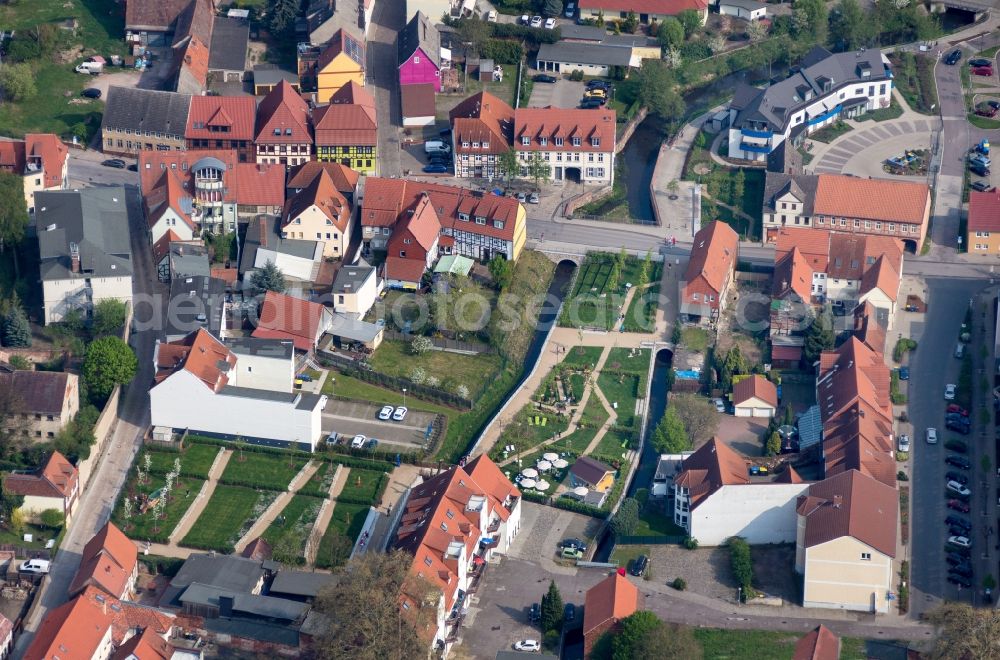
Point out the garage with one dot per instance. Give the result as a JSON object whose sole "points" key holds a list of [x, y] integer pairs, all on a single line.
{"points": [[754, 396]]}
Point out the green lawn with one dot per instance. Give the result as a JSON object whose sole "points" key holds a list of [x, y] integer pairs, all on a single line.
{"points": [[319, 483], [343, 530], [725, 644], [260, 470], [196, 460], [894, 111], [592, 419], [576, 384], [641, 313], [983, 122], [353, 388], [695, 339], [583, 357], [465, 308], [393, 358], [531, 427], [142, 526], [830, 133], [623, 389], [594, 303], [635, 361], [361, 484], [39, 537], [624, 554], [289, 531], [653, 522], [228, 513], [614, 444]]}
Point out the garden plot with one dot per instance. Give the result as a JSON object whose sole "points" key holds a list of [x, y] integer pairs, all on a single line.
{"points": [[227, 517]]}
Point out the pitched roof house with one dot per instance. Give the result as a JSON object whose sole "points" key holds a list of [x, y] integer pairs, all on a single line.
{"points": [[413, 247], [347, 129], [319, 212], [55, 486], [983, 226], [418, 48], [222, 122], [710, 271], [819, 644], [110, 562], [288, 317], [135, 119], [580, 142], [45, 400], [40, 159], [482, 126], [344, 178], [605, 605], [342, 61], [591, 473], [755, 396], [284, 131]]}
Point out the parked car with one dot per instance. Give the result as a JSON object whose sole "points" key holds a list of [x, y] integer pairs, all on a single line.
{"points": [[958, 505], [550, 23], [951, 475], [639, 564], [400, 413], [534, 613], [116, 163], [569, 612], [985, 110], [358, 442], [931, 436], [958, 461], [571, 553], [594, 84], [533, 198], [979, 170], [570, 9], [596, 92], [961, 522], [980, 159], [982, 70], [35, 566], [530, 645], [436, 169], [372, 443], [949, 392], [982, 186], [524, 20], [955, 559], [544, 78], [980, 61], [958, 427], [959, 489], [720, 405], [953, 57], [960, 541], [963, 571], [904, 373], [573, 543], [521, 197], [904, 442], [960, 581], [492, 16], [536, 21], [435, 146], [957, 445], [385, 413], [91, 93], [590, 104], [955, 408]]}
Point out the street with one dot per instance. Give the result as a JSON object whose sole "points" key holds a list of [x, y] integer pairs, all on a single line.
{"points": [[85, 169], [388, 18], [95, 505]]}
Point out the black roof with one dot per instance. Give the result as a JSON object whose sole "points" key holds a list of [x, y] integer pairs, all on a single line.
{"points": [[229, 44], [93, 222], [141, 110], [419, 33]]}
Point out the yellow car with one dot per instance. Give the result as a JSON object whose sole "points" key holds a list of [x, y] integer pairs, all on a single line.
{"points": [[595, 94]]}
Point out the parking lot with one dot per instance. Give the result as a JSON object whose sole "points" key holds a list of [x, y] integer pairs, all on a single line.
{"points": [[351, 418], [413, 159], [563, 93]]}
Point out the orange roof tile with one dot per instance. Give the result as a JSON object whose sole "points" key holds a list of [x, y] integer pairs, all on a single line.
{"points": [[199, 353], [57, 478], [838, 195], [227, 117], [51, 151], [288, 317], [984, 211], [851, 504], [283, 117], [107, 562], [349, 120], [482, 118], [714, 465], [402, 269], [820, 644], [565, 123], [323, 195], [814, 244], [882, 276], [792, 274], [611, 599], [344, 178], [755, 386], [713, 255], [342, 42], [145, 646], [249, 184]]}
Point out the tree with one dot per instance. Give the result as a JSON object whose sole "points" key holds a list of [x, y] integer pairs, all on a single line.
{"points": [[17, 521], [17, 82], [614, 276], [774, 444], [633, 629], [672, 58], [624, 521], [756, 31], [809, 18], [739, 186], [508, 165], [16, 329], [630, 22], [268, 278], [552, 7], [13, 211], [421, 345], [474, 32], [850, 26], [51, 518], [538, 168], [109, 362], [742, 565], [698, 416], [646, 269], [819, 338], [599, 21], [109, 317], [734, 365], [716, 43], [658, 91], [9, 502], [670, 437], [502, 271], [690, 20], [281, 16], [965, 632], [396, 604], [552, 609], [671, 33]]}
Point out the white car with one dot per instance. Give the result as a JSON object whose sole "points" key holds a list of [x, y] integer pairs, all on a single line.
{"points": [[949, 392], [904, 442], [36, 566], [720, 405], [527, 645], [550, 23], [323, 399], [385, 413], [570, 9], [931, 436], [492, 16], [524, 20], [960, 541], [536, 21], [959, 489], [400, 413], [358, 442]]}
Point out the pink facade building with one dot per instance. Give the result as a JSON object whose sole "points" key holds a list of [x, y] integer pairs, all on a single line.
{"points": [[419, 57]]}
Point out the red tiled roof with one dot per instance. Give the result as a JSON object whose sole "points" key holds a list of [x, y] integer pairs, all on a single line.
{"points": [[755, 386], [199, 353], [36, 148], [248, 184], [792, 274], [235, 114], [107, 562], [38, 392], [852, 254], [161, 248], [820, 644], [227, 275], [851, 504], [814, 244], [344, 178], [482, 118], [167, 194], [984, 211], [342, 42], [322, 194], [611, 599], [144, 646], [565, 123], [786, 353], [417, 100], [713, 255], [283, 110], [868, 329], [839, 195], [193, 58], [288, 317], [670, 7], [882, 276], [346, 124], [258, 184], [404, 270], [714, 465]]}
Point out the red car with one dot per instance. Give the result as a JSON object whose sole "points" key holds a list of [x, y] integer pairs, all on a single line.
{"points": [[982, 71], [958, 505], [955, 408]]}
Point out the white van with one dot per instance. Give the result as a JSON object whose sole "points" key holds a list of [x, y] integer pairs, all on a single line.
{"points": [[36, 566], [92, 68], [436, 147]]}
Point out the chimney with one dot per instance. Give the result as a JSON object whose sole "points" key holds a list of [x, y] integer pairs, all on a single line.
{"points": [[838, 500], [74, 257]]}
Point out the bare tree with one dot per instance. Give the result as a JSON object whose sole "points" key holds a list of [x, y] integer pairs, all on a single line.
{"points": [[698, 416], [964, 632]]}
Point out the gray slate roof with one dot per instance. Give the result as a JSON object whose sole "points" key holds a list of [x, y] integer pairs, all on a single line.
{"points": [[271, 348], [261, 234], [584, 32], [188, 260], [776, 104], [584, 53], [749, 5], [299, 583], [350, 278], [419, 33], [96, 220], [229, 44], [268, 74], [802, 186], [244, 604], [146, 110]]}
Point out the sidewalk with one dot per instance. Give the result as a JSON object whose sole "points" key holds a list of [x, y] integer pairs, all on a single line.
{"points": [[204, 495], [277, 506]]}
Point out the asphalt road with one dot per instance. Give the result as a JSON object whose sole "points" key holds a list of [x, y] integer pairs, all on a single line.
{"points": [[933, 365], [95, 506], [388, 18], [85, 169]]}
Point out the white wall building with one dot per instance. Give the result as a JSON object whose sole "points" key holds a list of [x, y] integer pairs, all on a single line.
{"points": [[263, 364], [577, 144]]}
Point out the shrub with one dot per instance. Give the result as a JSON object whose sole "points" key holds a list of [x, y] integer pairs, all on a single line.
{"points": [[570, 504], [742, 565], [902, 456], [421, 345], [691, 543], [901, 476], [680, 584], [576, 75], [903, 346]]}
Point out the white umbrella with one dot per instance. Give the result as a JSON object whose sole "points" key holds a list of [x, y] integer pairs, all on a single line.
{"points": [[550, 456], [527, 483], [530, 473], [542, 485], [559, 463], [543, 466], [579, 490]]}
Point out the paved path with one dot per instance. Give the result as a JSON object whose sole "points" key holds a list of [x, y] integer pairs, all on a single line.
{"points": [[201, 501], [612, 415], [277, 506], [326, 513]]}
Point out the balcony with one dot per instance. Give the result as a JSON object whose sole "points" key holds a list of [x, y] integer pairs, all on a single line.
{"points": [[208, 184], [749, 132], [494, 526], [755, 148]]}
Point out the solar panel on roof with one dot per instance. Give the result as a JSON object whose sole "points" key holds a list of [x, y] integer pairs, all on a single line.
{"points": [[353, 49]]}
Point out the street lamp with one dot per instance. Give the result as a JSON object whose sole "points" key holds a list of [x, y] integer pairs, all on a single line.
{"points": [[404, 397], [333, 383]]}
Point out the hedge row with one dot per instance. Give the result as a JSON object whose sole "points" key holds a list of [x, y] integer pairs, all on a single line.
{"points": [[377, 459], [344, 459], [570, 504], [250, 483]]}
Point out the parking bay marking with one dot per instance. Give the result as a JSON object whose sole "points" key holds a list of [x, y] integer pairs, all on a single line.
{"points": [[395, 425]]}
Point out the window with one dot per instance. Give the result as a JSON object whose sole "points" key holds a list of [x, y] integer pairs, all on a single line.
{"points": [[498, 224], [866, 556], [407, 241], [544, 141], [857, 224], [486, 145], [480, 220], [319, 235], [465, 144], [576, 142], [402, 254], [868, 224], [559, 141], [525, 140], [695, 296], [427, 560], [475, 145], [463, 216], [892, 227], [595, 141], [416, 59], [277, 131]]}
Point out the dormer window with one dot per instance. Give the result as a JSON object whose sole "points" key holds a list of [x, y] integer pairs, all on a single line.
{"points": [[559, 141], [407, 241], [288, 131], [486, 145], [450, 514], [444, 527], [427, 561], [475, 145], [277, 131], [465, 144], [480, 220], [595, 141], [576, 142], [525, 140], [498, 224], [463, 216], [544, 141]]}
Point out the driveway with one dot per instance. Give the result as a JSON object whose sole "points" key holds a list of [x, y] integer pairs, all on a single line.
{"points": [[744, 434], [563, 94], [351, 418], [542, 527]]}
